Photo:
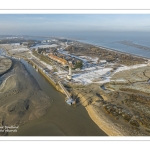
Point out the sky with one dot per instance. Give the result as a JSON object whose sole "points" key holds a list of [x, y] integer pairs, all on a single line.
{"points": [[51, 24]]}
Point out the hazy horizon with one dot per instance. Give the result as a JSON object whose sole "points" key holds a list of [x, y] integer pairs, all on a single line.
{"points": [[65, 24]]}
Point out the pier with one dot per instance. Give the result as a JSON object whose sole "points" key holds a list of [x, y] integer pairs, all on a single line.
{"points": [[69, 99], [64, 89]]}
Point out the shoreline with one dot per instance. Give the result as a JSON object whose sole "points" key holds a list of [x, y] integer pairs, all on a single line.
{"points": [[103, 120], [100, 121], [115, 50]]}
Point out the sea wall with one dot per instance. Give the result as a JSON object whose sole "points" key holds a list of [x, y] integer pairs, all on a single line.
{"points": [[48, 78]]}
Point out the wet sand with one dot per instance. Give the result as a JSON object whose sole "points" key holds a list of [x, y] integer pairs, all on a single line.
{"points": [[21, 99], [68, 121], [5, 65]]}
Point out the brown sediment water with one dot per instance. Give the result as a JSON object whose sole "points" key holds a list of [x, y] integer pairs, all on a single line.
{"points": [[61, 118]]}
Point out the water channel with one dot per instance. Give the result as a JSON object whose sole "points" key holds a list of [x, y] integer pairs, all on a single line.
{"points": [[61, 118]]}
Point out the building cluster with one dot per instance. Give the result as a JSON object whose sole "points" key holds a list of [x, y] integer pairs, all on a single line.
{"points": [[58, 59], [54, 54], [49, 41], [46, 41]]}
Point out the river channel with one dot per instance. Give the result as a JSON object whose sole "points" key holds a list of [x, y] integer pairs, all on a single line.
{"points": [[61, 118]]}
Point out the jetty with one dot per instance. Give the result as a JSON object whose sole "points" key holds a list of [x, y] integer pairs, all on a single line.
{"points": [[68, 99]]}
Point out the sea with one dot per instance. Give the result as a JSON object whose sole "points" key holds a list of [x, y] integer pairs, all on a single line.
{"points": [[111, 40]]}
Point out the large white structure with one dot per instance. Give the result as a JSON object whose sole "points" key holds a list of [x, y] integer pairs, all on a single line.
{"points": [[69, 76]]}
